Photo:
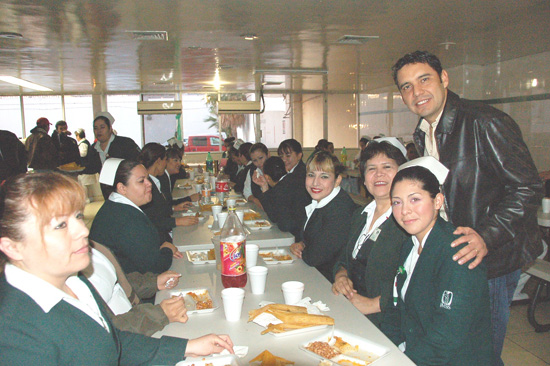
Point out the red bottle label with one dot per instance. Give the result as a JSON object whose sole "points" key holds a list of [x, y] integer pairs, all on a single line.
{"points": [[233, 262], [222, 186]]}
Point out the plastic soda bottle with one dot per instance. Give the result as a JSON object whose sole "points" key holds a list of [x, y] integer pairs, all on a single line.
{"points": [[344, 156], [232, 250], [206, 192], [209, 163]]}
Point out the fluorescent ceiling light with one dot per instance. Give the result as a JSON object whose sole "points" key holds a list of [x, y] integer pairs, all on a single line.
{"points": [[24, 83], [285, 71]]}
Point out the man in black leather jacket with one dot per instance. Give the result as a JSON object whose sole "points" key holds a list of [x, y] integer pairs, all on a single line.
{"points": [[493, 190]]}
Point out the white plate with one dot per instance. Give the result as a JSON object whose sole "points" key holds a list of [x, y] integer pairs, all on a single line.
{"points": [[277, 252], [241, 201], [199, 257], [214, 361], [202, 217], [253, 224], [184, 186], [249, 211], [367, 354], [190, 303]]}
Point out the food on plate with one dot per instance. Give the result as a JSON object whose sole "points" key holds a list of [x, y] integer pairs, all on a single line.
{"points": [[251, 215], [240, 201], [206, 207], [325, 363], [262, 224], [280, 255], [202, 255], [268, 359], [202, 301], [292, 317], [344, 346], [284, 257], [70, 166], [323, 349]]}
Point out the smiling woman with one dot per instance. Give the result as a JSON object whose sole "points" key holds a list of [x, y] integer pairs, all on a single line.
{"points": [[44, 306], [328, 216]]}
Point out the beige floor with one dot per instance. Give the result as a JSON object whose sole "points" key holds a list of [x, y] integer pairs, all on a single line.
{"points": [[524, 347]]}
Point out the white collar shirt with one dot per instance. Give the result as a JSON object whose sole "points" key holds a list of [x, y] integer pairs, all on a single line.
{"points": [[430, 141], [46, 295], [103, 154], [410, 262], [118, 198], [156, 181], [325, 201], [366, 233]]}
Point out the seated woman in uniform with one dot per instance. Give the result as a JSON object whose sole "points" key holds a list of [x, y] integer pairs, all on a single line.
{"points": [[243, 156], [440, 310], [123, 227], [365, 270], [50, 315], [328, 216], [258, 156], [280, 199], [123, 293], [160, 208]]}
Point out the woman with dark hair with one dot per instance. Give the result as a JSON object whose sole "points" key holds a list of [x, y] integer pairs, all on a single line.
{"points": [[440, 313], [123, 227], [243, 156], [327, 217], [252, 190], [284, 202], [365, 270], [50, 316], [160, 209], [108, 145], [173, 172]]}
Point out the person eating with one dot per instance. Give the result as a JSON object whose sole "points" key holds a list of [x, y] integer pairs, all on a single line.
{"points": [[440, 311], [327, 217], [50, 315], [258, 156], [366, 268], [122, 226]]}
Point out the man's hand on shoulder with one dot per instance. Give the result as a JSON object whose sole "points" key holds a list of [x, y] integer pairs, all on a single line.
{"points": [[476, 247]]}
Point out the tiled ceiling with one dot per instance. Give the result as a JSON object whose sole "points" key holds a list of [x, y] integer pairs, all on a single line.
{"points": [[86, 47]]}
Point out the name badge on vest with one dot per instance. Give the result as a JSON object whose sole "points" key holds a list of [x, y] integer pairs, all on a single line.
{"points": [[375, 234]]}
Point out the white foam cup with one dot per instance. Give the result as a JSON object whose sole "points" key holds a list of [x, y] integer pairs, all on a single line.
{"points": [[222, 216], [240, 215], [231, 202], [216, 209], [232, 298], [192, 174], [198, 188], [258, 276], [546, 205], [292, 292], [251, 255]]}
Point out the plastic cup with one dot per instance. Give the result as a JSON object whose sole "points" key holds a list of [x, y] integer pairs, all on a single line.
{"points": [[546, 205], [222, 216], [198, 188], [251, 255], [216, 209], [240, 215], [232, 298], [292, 292], [213, 182], [192, 175], [231, 202], [258, 276]]}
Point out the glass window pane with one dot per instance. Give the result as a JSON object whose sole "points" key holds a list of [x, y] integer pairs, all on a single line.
{"points": [[79, 114], [275, 122], [159, 127], [312, 119], [10, 109], [127, 121], [342, 126], [198, 117], [37, 106]]}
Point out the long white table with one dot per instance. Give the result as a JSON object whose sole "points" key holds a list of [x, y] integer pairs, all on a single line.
{"points": [[346, 317], [199, 236]]}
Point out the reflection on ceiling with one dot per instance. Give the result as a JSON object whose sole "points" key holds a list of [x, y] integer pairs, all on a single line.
{"points": [[77, 46]]}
